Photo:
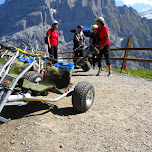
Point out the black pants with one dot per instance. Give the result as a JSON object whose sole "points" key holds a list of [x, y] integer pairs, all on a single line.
{"points": [[94, 60], [106, 52], [53, 51], [78, 53]]}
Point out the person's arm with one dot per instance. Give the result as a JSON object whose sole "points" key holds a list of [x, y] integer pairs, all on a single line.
{"points": [[90, 40], [76, 38], [58, 41], [49, 41]]}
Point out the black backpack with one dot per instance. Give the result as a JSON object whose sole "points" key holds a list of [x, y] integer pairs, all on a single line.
{"points": [[46, 37]]}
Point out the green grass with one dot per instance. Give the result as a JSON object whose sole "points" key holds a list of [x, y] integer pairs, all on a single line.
{"points": [[139, 73], [2, 61]]}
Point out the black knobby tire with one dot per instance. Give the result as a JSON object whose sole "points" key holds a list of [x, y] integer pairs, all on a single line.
{"points": [[86, 66], [95, 51], [33, 76], [6, 58], [83, 96]]}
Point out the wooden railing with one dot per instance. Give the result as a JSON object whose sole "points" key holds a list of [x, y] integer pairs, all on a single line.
{"points": [[125, 58]]}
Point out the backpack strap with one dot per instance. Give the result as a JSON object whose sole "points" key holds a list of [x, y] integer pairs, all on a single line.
{"points": [[51, 31], [98, 38]]}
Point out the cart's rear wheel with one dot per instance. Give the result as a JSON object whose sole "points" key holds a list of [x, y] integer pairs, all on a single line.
{"points": [[31, 76], [86, 66], [6, 58], [83, 96]]}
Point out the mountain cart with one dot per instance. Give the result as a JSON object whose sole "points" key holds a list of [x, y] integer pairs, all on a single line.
{"points": [[57, 79], [85, 61]]}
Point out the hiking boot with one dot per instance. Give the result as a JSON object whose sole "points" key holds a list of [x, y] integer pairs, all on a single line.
{"points": [[98, 73], [109, 74]]}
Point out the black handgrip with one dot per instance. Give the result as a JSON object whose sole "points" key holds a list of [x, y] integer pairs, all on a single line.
{"points": [[6, 47], [27, 44], [52, 59]]}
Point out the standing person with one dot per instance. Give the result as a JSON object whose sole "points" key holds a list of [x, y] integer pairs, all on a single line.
{"points": [[53, 44], [78, 42], [92, 41], [103, 42]]}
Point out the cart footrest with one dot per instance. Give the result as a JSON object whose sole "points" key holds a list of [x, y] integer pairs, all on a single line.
{"points": [[35, 87], [2, 119]]}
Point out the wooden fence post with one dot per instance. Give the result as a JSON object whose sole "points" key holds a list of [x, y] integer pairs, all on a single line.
{"points": [[126, 54]]}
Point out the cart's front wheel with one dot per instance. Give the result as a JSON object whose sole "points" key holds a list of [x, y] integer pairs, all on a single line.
{"points": [[33, 76], [83, 96]]}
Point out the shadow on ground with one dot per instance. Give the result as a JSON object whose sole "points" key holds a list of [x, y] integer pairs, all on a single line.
{"points": [[35, 109]]}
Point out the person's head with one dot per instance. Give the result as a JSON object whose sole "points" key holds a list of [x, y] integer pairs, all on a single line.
{"points": [[55, 24], [79, 28], [100, 21], [94, 28]]}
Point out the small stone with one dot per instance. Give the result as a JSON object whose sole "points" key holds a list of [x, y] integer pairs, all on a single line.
{"points": [[61, 146], [22, 143], [56, 117], [13, 142], [69, 117]]}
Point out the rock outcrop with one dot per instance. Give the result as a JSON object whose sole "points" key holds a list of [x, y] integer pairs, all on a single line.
{"points": [[29, 20]]}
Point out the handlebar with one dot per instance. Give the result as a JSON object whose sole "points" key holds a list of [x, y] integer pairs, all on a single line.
{"points": [[17, 49], [7, 47], [33, 48], [33, 55], [52, 59], [27, 44], [83, 48], [20, 50]]}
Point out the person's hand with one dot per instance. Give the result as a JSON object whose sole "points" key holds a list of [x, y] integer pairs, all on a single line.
{"points": [[101, 47], [79, 42], [50, 46], [58, 47]]}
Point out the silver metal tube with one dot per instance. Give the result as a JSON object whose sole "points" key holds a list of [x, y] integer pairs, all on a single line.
{"points": [[16, 103], [2, 119], [47, 99], [5, 65], [21, 74], [1, 94], [9, 66], [4, 100], [18, 97]]}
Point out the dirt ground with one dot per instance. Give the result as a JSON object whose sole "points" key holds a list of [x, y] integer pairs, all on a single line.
{"points": [[120, 119]]}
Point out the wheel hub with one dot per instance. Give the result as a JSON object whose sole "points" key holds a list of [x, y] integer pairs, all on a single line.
{"points": [[89, 98]]}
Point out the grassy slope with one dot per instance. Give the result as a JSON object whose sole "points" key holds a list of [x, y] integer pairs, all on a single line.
{"points": [[140, 73]]}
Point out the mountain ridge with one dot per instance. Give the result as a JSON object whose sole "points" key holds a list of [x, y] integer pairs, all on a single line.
{"points": [[30, 20]]}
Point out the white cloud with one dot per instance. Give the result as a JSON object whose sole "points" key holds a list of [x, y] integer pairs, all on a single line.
{"points": [[146, 9], [133, 2]]}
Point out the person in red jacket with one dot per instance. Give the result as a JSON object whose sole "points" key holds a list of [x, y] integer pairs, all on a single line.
{"points": [[53, 44], [103, 42]]}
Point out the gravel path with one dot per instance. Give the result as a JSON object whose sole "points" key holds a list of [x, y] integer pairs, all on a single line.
{"points": [[120, 120]]}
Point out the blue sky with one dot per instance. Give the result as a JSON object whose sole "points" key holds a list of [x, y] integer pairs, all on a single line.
{"points": [[2, 1], [139, 5]]}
